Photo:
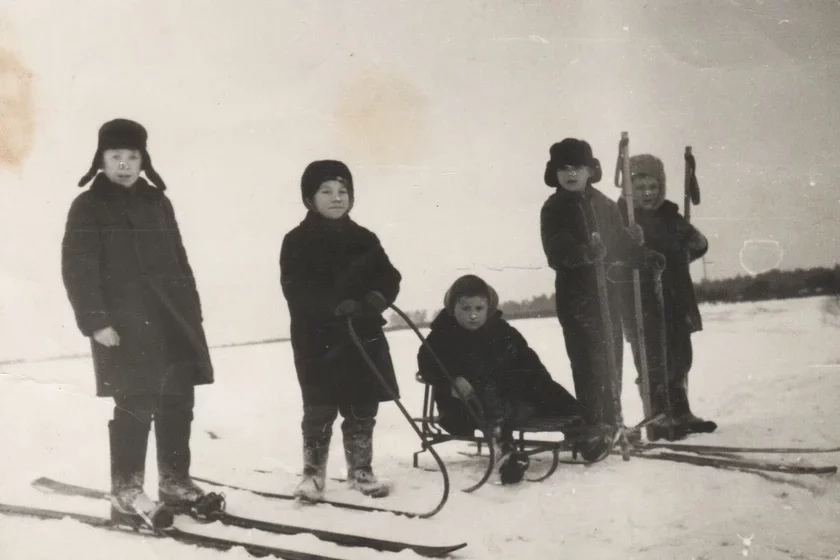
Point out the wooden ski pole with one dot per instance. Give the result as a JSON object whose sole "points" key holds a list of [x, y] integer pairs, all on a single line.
{"points": [[609, 347], [627, 187]]}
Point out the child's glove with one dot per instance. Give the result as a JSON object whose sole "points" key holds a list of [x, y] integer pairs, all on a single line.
{"points": [[636, 233], [348, 308], [595, 250], [376, 301], [654, 261]]}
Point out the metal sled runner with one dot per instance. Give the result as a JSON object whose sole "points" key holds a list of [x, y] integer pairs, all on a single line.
{"points": [[572, 428]]}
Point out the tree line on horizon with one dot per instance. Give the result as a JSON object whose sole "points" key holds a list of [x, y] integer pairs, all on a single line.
{"points": [[770, 285]]}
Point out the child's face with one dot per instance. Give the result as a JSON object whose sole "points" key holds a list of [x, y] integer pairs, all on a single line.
{"points": [[471, 312], [573, 178], [332, 199], [122, 166], [645, 192]]}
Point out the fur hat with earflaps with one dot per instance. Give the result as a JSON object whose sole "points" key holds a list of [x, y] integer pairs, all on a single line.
{"points": [[650, 166], [571, 151], [318, 172], [123, 134]]}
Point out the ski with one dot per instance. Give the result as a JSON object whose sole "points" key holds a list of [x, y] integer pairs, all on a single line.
{"points": [[343, 539], [280, 496], [184, 537], [711, 449], [735, 464]]}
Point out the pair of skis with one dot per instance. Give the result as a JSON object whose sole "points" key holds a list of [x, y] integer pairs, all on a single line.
{"points": [[48, 485], [731, 457]]}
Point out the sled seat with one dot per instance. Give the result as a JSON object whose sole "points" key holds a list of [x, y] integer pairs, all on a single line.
{"points": [[434, 434]]}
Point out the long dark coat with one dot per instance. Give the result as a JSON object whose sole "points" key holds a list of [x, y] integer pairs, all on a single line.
{"points": [[666, 232], [124, 266], [322, 263], [567, 222], [498, 362]]}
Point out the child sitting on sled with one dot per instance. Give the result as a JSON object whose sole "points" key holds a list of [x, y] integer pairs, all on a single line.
{"points": [[668, 233], [331, 268], [491, 362]]}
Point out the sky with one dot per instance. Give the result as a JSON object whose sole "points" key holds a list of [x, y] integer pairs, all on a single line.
{"points": [[444, 112]]}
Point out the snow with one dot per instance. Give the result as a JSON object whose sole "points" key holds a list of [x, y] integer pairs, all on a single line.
{"points": [[768, 373]]}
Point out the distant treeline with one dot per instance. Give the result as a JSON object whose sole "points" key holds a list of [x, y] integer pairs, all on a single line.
{"points": [[775, 284]]}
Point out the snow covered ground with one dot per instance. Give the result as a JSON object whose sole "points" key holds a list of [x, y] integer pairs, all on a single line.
{"points": [[769, 373]]}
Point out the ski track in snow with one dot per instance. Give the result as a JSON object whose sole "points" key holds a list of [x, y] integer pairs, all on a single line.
{"points": [[766, 372]]}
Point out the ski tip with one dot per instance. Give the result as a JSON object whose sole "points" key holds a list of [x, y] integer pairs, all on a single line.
{"points": [[437, 551]]}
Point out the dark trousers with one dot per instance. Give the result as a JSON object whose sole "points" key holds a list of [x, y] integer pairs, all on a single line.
{"points": [[669, 378], [597, 388], [129, 430], [356, 427]]}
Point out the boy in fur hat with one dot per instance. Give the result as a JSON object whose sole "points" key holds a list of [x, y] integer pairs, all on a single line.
{"points": [[666, 232], [581, 226], [332, 268], [490, 361], [133, 293]]}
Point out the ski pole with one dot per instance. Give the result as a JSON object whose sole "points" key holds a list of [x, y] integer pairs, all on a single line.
{"points": [[627, 188], [692, 188]]}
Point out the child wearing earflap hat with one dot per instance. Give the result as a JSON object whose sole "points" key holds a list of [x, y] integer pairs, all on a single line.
{"points": [[134, 295], [580, 226], [666, 232], [331, 268]]}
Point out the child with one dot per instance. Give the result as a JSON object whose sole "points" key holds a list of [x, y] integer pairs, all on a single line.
{"points": [[133, 293], [490, 361], [331, 268], [569, 219], [666, 232]]}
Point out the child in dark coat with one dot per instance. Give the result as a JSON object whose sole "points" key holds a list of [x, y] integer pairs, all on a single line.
{"points": [[580, 227], [666, 232], [332, 268], [133, 293], [489, 360]]}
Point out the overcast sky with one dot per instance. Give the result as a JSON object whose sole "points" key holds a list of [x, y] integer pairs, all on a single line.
{"points": [[443, 110]]}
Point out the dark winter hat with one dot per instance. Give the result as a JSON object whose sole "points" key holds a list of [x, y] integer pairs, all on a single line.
{"points": [[470, 286], [317, 172], [123, 134], [571, 151], [650, 166]]}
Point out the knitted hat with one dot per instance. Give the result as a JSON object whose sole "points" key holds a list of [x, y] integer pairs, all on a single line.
{"points": [[470, 286], [650, 166], [123, 134], [318, 172], [571, 151]]}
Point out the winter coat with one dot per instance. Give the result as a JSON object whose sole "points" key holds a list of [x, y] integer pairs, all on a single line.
{"points": [[667, 232], [496, 358], [567, 222], [124, 266], [322, 263]]}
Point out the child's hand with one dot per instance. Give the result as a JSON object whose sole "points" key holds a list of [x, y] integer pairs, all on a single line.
{"points": [[636, 233], [655, 261], [376, 301], [107, 337], [348, 308], [596, 250], [464, 387]]}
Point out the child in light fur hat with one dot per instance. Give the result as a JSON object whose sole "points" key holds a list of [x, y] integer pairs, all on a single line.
{"points": [[668, 233]]}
